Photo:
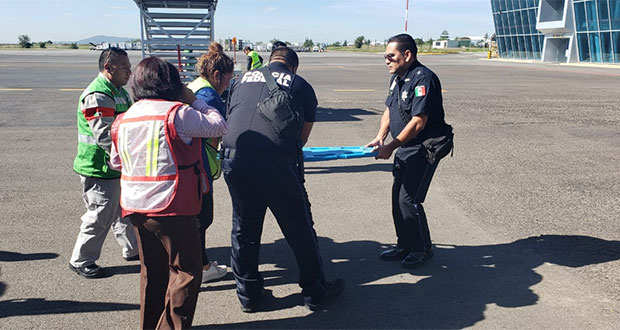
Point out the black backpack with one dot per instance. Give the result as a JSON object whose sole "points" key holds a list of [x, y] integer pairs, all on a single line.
{"points": [[280, 110]]}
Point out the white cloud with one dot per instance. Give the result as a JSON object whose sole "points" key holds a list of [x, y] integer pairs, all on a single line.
{"points": [[118, 7], [269, 9]]}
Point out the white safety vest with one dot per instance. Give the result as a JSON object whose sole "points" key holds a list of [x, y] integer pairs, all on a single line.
{"points": [[149, 177]]}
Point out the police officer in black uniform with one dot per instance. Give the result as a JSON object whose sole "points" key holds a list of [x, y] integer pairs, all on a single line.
{"points": [[264, 171], [414, 113]]}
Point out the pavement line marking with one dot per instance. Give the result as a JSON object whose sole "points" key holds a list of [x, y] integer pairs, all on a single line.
{"points": [[71, 89], [444, 91], [354, 90], [15, 89]]}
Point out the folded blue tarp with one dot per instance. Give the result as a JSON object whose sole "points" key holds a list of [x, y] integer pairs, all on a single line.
{"points": [[316, 154]]}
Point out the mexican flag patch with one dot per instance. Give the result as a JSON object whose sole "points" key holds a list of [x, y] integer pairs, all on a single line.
{"points": [[420, 91]]}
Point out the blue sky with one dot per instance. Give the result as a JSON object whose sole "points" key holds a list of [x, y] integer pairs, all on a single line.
{"points": [[254, 20]]}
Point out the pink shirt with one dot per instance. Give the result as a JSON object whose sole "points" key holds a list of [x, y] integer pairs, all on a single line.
{"points": [[197, 120]]}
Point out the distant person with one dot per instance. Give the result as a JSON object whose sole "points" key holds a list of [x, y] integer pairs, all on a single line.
{"points": [[264, 169], [157, 147], [216, 70], [98, 105], [255, 61], [414, 113]]}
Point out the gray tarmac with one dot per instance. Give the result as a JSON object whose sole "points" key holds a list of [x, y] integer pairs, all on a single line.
{"points": [[524, 216]]}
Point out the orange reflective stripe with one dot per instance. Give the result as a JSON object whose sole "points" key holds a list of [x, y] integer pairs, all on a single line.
{"points": [[143, 118], [148, 178]]}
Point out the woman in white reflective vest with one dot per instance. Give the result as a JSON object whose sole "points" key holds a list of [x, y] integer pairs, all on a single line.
{"points": [[156, 145]]}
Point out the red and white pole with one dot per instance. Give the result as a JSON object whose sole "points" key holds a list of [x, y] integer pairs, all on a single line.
{"points": [[406, 15]]}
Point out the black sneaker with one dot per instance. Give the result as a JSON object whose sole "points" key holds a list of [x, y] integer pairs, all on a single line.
{"points": [[416, 259], [332, 290], [89, 271], [394, 253]]}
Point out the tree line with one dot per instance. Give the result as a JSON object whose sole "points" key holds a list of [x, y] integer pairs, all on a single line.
{"points": [[25, 42]]}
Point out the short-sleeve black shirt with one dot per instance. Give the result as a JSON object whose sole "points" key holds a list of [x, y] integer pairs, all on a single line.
{"points": [[247, 130], [417, 92]]}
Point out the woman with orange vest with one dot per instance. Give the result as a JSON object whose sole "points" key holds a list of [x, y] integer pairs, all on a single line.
{"points": [[216, 70], [156, 144]]}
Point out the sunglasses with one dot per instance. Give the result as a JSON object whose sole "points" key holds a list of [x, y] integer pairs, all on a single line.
{"points": [[390, 57]]}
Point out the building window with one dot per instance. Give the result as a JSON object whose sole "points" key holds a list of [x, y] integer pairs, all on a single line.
{"points": [[519, 22], [536, 47], [526, 22], [592, 17], [584, 48], [616, 40], [606, 46], [511, 20], [528, 47], [595, 47], [614, 9], [603, 14], [551, 10], [522, 49], [532, 14], [500, 46], [509, 5], [506, 23], [514, 51], [580, 17]]}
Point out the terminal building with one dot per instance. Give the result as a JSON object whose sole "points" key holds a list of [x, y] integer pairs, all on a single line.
{"points": [[558, 31]]}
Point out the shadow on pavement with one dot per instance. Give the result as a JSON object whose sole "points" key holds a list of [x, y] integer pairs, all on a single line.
{"points": [[452, 290], [376, 167], [39, 306], [118, 270], [8, 256], [334, 114]]}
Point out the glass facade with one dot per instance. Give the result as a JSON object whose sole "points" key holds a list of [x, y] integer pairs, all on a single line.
{"points": [[595, 38], [515, 29], [598, 28]]}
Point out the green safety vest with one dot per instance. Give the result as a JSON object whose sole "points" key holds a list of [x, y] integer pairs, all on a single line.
{"points": [[92, 160], [211, 145], [256, 63]]}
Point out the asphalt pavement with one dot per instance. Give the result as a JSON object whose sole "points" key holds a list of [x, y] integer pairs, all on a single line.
{"points": [[524, 217]]}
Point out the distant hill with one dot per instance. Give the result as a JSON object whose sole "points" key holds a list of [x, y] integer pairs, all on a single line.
{"points": [[99, 39]]}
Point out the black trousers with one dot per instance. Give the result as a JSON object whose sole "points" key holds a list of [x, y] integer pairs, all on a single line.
{"points": [[255, 186], [412, 178], [205, 219]]}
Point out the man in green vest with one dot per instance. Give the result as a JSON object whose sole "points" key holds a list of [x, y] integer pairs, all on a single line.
{"points": [[255, 61], [98, 105]]}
